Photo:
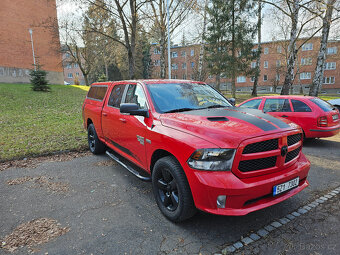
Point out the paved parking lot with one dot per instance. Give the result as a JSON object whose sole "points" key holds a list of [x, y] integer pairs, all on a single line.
{"points": [[106, 210]]}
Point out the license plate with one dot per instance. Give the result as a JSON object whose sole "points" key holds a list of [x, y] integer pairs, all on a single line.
{"points": [[285, 186], [335, 117]]}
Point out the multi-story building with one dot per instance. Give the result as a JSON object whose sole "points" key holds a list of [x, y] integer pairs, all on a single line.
{"points": [[18, 21], [72, 72], [184, 61]]}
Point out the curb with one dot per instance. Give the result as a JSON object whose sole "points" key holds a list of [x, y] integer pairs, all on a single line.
{"points": [[257, 235]]}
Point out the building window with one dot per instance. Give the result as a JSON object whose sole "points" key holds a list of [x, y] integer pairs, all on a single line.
{"points": [[69, 75], [174, 76], [305, 76], [69, 66], [192, 77], [252, 79], [77, 74], [67, 55], [184, 76], [331, 50], [330, 65], [210, 76], [184, 65], [223, 75], [306, 61], [192, 64], [265, 77], [183, 53], [277, 77], [156, 51], [241, 79], [157, 62], [192, 52], [253, 64], [278, 63], [279, 49], [329, 80], [174, 66], [307, 46], [174, 54], [75, 65], [266, 51], [265, 64]]}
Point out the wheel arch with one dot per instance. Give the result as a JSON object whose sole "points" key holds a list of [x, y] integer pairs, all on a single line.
{"points": [[88, 122], [158, 154]]}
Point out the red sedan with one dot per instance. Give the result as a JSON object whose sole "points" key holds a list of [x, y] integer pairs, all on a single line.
{"points": [[316, 117]]}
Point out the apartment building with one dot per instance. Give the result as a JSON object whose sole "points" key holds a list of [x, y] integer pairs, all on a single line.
{"points": [[72, 72], [18, 21], [184, 61]]}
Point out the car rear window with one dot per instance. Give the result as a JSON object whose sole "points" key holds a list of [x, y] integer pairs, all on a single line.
{"points": [[300, 106], [97, 92], [326, 107]]}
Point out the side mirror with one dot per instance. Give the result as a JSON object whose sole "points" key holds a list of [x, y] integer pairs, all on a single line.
{"points": [[232, 101], [133, 109]]}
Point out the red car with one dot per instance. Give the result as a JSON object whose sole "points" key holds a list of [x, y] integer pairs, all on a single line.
{"points": [[316, 117], [198, 150]]}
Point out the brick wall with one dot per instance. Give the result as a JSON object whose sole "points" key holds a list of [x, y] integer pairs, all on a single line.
{"points": [[16, 17]]}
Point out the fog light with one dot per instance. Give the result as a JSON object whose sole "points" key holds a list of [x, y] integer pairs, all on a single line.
{"points": [[221, 201]]}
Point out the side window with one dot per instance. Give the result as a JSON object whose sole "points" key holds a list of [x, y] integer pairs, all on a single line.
{"points": [[252, 104], [116, 96], [300, 106], [97, 92], [135, 94], [277, 105]]}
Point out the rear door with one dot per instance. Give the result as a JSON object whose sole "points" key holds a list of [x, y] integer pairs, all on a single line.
{"points": [[278, 107], [303, 115]]}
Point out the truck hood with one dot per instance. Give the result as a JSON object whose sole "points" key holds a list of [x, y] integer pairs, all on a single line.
{"points": [[226, 127]]}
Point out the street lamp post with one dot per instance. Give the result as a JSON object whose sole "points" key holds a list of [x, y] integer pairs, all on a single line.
{"points": [[168, 21], [31, 33]]}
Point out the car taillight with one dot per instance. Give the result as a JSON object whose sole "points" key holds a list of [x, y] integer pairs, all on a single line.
{"points": [[322, 121]]}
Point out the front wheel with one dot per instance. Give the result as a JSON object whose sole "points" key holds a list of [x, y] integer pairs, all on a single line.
{"points": [[171, 190], [95, 145]]}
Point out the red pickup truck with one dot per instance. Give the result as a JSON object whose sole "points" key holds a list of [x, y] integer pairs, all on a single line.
{"points": [[198, 150]]}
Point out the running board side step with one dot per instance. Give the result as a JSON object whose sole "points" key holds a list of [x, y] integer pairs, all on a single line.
{"points": [[128, 167]]}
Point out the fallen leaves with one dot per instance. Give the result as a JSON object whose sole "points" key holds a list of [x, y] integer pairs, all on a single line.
{"points": [[105, 163], [33, 233]]}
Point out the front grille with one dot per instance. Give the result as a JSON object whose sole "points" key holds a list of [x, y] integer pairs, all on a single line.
{"points": [[268, 145], [292, 154], [257, 164], [293, 139]]}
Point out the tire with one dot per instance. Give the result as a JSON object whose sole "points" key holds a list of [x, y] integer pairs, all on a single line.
{"points": [[171, 190], [95, 145]]}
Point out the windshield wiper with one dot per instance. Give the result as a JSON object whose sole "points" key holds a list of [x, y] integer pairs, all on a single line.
{"points": [[181, 110], [215, 106]]}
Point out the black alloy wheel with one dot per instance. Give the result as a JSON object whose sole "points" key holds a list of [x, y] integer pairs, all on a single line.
{"points": [[95, 145], [168, 190]]}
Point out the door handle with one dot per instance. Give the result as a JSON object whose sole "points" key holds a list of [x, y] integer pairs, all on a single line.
{"points": [[122, 120], [284, 116], [104, 114]]}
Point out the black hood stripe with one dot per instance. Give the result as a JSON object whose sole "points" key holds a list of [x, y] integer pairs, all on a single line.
{"points": [[252, 117], [276, 121]]}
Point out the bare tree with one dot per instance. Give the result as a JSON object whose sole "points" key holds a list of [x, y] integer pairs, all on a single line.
{"points": [[259, 48], [318, 74]]}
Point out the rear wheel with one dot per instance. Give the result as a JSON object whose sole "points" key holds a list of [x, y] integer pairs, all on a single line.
{"points": [[95, 145], [171, 190]]}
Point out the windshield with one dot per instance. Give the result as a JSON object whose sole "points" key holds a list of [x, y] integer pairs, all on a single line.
{"points": [[176, 97]]}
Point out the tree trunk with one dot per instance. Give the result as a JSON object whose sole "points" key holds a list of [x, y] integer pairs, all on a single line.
{"points": [[291, 49], [319, 69], [162, 57], [86, 79], [201, 57], [218, 81], [259, 50], [233, 52]]}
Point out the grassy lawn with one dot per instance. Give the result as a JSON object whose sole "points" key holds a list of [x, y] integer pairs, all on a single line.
{"points": [[33, 123]]}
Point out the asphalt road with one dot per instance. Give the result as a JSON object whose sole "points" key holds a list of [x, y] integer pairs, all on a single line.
{"points": [[109, 211]]}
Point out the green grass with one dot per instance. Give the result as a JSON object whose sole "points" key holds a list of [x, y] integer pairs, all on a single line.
{"points": [[35, 123]]}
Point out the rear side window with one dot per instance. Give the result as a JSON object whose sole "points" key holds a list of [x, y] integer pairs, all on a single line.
{"points": [[116, 95], [326, 107], [300, 106], [276, 105], [97, 92], [252, 104]]}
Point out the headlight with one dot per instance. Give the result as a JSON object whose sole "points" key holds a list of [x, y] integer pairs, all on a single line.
{"points": [[212, 159]]}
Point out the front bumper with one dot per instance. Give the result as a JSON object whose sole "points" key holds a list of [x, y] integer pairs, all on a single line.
{"points": [[243, 195]]}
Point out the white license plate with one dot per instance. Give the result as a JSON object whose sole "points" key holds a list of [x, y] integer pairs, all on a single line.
{"points": [[285, 186], [335, 117]]}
